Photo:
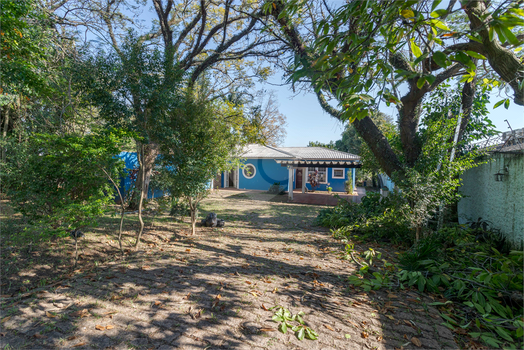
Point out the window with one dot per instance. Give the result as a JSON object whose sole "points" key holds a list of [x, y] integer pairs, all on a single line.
{"points": [[338, 173], [321, 174], [249, 171]]}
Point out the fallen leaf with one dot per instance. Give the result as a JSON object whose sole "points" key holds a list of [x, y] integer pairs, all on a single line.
{"points": [[158, 302], [353, 323], [274, 290], [379, 338], [100, 327], [329, 327], [188, 250], [364, 335], [248, 282], [39, 336], [267, 329], [73, 337], [187, 296], [50, 315], [110, 326], [79, 344], [390, 317], [5, 319], [348, 336], [416, 341], [391, 295], [264, 308]]}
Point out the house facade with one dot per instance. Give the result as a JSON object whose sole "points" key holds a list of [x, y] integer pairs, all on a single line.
{"points": [[292, 168]]}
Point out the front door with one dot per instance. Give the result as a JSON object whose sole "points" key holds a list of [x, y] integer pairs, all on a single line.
{"points": [[298, 179]]}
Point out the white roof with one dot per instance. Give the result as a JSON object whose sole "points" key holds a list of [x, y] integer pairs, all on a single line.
{"points": [[259, 151], [318, 153], [311, 153]]}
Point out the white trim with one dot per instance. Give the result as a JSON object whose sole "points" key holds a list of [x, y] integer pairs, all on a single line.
{"points": [[316, 168], [254, 173], [338, 177]]}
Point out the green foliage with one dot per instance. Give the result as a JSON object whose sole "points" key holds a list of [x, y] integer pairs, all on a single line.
{"points": [[293, 322], [375, 218], [276, 188], [484, 284], [23, 47], [480, 288], [58, 181]]}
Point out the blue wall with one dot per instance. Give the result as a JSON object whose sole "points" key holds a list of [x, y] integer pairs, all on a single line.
{"points": [[267, 173], [131, 161]]}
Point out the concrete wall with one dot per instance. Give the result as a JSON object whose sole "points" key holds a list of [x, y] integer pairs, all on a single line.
{"points": [[502, 202]]}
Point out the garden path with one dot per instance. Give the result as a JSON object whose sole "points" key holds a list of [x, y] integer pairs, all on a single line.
{"points": [[214, 291]]}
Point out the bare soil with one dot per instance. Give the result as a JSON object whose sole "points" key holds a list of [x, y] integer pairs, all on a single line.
{"points": [[209, 291]]}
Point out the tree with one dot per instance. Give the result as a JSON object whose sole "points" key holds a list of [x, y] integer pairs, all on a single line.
{"points": [[373, 47], [58, 181], [201, 146]]}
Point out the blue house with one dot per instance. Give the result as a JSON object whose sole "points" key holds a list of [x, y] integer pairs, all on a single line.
{"points": [[292, 167]]}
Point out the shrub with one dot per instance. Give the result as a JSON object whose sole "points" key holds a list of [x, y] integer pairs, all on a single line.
{"points": [[375, 218], [276, 188]]}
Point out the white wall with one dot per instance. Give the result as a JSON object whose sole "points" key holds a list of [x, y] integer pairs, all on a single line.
{"points": [[502, 203]]}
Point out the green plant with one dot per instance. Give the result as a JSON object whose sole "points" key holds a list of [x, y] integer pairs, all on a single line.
{"points": [[348, 186], [276, 188], [329, 189], [294, 322]]}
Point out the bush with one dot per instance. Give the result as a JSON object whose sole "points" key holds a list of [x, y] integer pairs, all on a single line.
{"points": [[61, 182], [276, 188], [375, 218], [483, 285]]}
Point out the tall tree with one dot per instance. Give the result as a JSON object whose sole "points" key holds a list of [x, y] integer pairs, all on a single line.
{"points": [[385, 47]]}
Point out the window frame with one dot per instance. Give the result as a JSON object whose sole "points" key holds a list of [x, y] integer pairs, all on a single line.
{"points": [[316, 168], [338, 177], [254, 171]]}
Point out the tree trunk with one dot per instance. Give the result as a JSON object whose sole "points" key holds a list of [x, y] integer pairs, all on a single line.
{"points": [[192, 207], [143, 191], [150, 153], [502, 60]]}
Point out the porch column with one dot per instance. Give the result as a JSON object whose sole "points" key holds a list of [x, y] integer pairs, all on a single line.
{"points": [[290, 182], [304, 178], [237, 179], [353, 176]]}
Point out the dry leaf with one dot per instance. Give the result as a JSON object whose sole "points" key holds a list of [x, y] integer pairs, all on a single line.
{"points": [[110, 326], [187, 296], [39, 336], [218, 296], [100, 327], [50, 315], [254, 294], [379, 338], [390, 317], [390, 295], [275, 290], [73, 337], [329, 327], [353, 323], [416, 341], [264, 308], [157, 303], [5, 319], [248, 282], [188, 250], [364, 335], [79, 344], [267, 329]]}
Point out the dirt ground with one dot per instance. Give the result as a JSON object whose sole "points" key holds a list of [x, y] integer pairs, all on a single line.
{"points": [[209, 291]]}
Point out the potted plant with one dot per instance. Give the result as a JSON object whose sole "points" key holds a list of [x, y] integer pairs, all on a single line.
{"points": [[329, 189]]}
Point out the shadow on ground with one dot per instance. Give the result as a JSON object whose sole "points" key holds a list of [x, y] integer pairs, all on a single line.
{"points": [[214, 291]]}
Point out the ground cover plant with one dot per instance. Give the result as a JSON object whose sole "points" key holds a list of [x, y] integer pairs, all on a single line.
{"points": [[473, 273]]}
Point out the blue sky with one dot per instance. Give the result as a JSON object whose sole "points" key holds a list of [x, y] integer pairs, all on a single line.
{"points": [[308, 122]]}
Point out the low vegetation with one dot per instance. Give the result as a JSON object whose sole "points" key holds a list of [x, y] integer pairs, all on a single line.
{"points": [[470, 269]]}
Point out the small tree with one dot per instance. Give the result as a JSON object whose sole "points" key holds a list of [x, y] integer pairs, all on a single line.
{"points": [[61, 181], [198, 146]]}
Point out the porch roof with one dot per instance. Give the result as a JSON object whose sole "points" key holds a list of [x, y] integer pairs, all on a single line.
{"points": [[298, 154]]}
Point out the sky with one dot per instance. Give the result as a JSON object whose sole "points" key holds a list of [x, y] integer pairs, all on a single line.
{"points": [[306, 121]]}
